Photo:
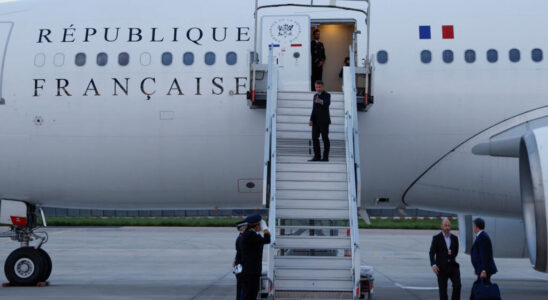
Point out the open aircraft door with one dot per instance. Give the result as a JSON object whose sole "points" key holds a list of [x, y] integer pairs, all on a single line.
{"points": [[5, 32], [289, 37]]}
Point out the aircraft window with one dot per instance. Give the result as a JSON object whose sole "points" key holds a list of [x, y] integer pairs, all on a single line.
{"points": [[188, 58], [470, 56], [448, 56], [80, 59], [536, 55], [251, 57], [382, 57], [514, 55], [426, 56], [492, 55], [145, 59], [102, 59], [231, 58], [123, 59], [209, 58], [40, 60], [167, 58], [59, 59]]}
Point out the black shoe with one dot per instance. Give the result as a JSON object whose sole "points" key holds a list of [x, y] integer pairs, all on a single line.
{"points": [[325, 159], [315, 159]]}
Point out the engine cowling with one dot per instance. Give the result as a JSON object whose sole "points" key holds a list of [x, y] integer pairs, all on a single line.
{"points": [[533, 169]]}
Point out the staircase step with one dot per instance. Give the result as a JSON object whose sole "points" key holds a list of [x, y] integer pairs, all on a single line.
{"points": [[311, 185], [305, 118], [335, 96], [306, 134], [316, 214], [311, 227], [301, 159], [311, 176], [313, 273], [307, 142], [307, 104], [313, 166], [312, 294], [314, 262], [285, 111], [316, 195], [312, 204], [315, 242], [306, 128]]}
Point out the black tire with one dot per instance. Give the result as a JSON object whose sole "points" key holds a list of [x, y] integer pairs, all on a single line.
{"points": [[46, 259], [30, 264]]}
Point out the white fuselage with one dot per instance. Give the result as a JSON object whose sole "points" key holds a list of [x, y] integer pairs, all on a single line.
{"points": [[147, 135]]}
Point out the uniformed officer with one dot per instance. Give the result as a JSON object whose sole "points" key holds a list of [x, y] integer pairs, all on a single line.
{"points": [[320, 120], [252, 255], [237, 264], [318, 58]]}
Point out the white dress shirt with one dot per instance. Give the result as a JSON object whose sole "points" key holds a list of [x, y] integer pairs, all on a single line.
{"points": [[447, 240]]}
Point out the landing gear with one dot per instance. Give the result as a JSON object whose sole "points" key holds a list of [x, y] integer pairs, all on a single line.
{"points": [[28, 265]]}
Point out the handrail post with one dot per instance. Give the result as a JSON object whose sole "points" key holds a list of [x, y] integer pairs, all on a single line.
{"points": [[352, 164], [270, 154]]}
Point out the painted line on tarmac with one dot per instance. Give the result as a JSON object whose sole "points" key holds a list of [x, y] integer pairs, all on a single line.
{"points": [[421, 288]]}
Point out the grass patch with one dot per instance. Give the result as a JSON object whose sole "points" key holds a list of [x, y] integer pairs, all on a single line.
{"points": [[221, 222]]}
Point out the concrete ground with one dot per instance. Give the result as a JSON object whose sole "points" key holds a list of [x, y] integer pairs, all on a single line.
{"points": [[195, 263]]}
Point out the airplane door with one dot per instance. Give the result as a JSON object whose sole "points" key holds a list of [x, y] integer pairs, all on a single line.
{"points": [[5, 31], [289, 37]]}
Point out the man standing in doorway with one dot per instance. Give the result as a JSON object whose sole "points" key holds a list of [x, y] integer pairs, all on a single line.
{"points": [[318, 57], [443, 254], [320, 120]]}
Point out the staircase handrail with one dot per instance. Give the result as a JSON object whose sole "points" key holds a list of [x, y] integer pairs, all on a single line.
{"points": [[269, 174], [356, 139], [349, 88]]}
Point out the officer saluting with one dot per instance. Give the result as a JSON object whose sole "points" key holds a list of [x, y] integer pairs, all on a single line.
{"points": [[237, 265], [252, 255]]}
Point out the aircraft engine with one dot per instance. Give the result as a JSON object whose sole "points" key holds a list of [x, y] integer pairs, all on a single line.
{"points": [[533, 169]]}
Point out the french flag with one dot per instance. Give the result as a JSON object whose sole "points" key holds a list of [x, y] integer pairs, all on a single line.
{"points": [[447, 32]]}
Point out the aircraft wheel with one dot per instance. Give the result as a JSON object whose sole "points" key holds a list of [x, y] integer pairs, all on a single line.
{"points": [[24, 266], [47, 265]]}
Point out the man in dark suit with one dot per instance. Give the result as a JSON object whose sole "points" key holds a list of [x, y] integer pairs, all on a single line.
{"points": [[318, 57], [252, 255], [443, 253], [482, 253], [238, 259], [320, 120]]}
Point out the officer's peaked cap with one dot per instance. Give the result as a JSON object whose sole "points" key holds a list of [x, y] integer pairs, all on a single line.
{"points": [[253, 219]]}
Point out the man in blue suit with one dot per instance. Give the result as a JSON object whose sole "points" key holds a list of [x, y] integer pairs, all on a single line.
{"points": [[320, 120], [482, 253]]}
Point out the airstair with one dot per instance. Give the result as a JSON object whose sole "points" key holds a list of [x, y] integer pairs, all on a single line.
{"points": [[313, 216]]}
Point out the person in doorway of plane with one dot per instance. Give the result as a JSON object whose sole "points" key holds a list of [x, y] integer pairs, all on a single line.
{"points": [[345, 64], [318, 58], [320, 120]]}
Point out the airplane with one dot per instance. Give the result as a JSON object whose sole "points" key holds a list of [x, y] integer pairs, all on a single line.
{"points": [[152, 106]]}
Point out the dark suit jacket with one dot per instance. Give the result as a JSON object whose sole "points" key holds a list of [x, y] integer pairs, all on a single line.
{"points": [[439, 253], [252, 252], [320, 112], [482, 255]]}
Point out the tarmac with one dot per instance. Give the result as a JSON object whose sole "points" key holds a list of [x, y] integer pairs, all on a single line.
{"points": [[195, 263]]}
